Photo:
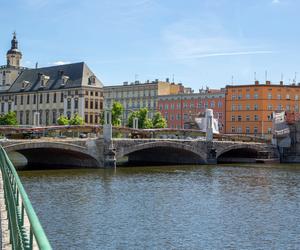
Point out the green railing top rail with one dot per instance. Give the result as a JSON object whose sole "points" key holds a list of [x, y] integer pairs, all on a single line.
{"points": [[38, 232]]}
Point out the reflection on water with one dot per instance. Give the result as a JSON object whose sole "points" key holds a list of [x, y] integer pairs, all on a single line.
{"points": [[205, 207]]}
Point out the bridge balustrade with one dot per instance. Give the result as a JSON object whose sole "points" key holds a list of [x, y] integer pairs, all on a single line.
{"points": [[25, 230]]}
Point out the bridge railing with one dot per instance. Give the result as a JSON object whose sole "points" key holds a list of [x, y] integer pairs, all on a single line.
{"points": [[25, 230]]}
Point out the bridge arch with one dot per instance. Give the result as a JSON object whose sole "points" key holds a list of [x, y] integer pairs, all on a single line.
{"points": [[240, 152], [161, 152], [53, 154]]}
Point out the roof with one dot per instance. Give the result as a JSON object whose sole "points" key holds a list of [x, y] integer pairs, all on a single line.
{"points": [[75, 75]]}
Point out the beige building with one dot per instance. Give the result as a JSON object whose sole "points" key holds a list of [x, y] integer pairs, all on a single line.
{"points": [[134, 96], [40, 95]]}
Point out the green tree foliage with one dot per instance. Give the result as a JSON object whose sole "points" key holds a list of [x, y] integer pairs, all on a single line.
{"points": [[116, 114], [9, 118], [62, 120], [159, 121], [142, 115], [76, 120]]}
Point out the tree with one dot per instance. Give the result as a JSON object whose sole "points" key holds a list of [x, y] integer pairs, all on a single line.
{"points": [[62, 120], [76, 120], [116, 114], [159, 121], [142, 115], [9, 118]]}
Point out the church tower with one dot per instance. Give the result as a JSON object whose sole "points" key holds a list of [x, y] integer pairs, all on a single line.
{"points": [[14, 55]]}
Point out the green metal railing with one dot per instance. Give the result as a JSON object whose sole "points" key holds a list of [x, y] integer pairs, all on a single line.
{"points": [[25, 230]]}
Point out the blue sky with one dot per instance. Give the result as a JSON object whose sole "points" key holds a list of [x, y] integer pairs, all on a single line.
{"points": [[200, 42]]}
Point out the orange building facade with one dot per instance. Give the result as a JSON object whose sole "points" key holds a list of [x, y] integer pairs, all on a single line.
{"points": [[249, 108]]}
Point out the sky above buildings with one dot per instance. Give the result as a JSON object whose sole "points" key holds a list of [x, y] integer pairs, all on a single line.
{"points": [[199, 43]]}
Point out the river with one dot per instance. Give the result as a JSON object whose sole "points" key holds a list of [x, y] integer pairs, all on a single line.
{"points": [[174, 207]]}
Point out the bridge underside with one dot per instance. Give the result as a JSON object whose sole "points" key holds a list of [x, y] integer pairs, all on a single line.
{"points": [[40, 158], [241, 155], [163, 156]]}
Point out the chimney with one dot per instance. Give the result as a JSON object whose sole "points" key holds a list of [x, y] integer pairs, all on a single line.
{"points": [[281, 82], [167, 79], [256, 82], [268, 82]]}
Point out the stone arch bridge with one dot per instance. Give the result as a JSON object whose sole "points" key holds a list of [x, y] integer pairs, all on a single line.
{"points": [[97, 153]]}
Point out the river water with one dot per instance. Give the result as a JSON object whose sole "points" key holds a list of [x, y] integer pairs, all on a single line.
{"points": [[203, 207]]}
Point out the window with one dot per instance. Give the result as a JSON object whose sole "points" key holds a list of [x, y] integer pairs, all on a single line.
{"points": [[239, 118], [61, 97], [247, 118], [232, 107], [288, 107], [255, 107], [247, 96], [34, 99], [296, 97], [239, 130], [47, 98], [96, 104], [219, 104], [255, 130], [269, 130], [86, 103], [269, 96], [54, 116], [247, 130], [21, 100], [232, 129], [288, 97], [16, 98], [233, 97], [166, 106], [279, 97], [247, 106], [239, 107], [233, 118], [41, 98], [69, 104], [240, 97], [212, 104], [255, 117], [255, 96], [28, 101], [279, 107], [270, 117], [54, 98], [178, 117], [76, 104], [91, 118], [27, 117], [296, 107], [270, 107]]}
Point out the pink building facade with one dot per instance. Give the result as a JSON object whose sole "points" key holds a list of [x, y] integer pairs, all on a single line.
{"points": [[180, 109]]}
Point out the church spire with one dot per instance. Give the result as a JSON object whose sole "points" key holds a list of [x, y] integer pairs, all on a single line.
{"points": [[14, 55], [14, 41]]}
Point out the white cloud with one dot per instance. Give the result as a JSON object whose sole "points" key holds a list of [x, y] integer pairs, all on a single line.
{"points": [[275, 1], [192, 39], [60, 63]]}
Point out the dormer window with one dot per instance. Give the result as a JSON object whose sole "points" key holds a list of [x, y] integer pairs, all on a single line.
{"points": [[43, 79], [65, 80], [24, 85]]}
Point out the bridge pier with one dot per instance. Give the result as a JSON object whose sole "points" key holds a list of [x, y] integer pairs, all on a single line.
{"points": [[211, 154]]}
